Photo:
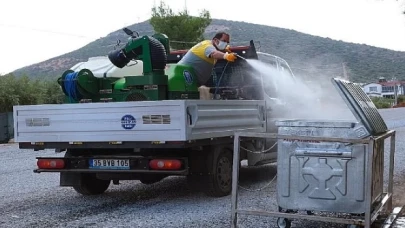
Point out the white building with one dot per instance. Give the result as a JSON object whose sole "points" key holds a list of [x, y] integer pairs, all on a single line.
{"points": [[373, 89], [384, 89]]}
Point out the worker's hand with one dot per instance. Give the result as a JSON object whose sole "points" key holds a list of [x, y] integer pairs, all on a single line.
{"points": [[231, 57], [228, 48]]}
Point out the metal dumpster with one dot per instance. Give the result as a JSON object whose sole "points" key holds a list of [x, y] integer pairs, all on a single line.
{"points": [[331, 176], [319, 176], [332, 166]]}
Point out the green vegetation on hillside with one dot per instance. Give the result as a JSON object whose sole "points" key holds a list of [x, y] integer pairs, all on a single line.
{"points": [[309, 56], [26, 91]]}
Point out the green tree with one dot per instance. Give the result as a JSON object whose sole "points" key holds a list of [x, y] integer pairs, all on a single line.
{"points": [[23, 91], [53, 93], [181, 26], [8, 95]]}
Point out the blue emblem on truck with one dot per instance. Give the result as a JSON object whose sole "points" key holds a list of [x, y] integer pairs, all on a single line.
{"points": [[128, 122], [188, 77]]}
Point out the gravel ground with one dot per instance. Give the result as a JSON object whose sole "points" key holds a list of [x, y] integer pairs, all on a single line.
{"points": [[35, 200]]}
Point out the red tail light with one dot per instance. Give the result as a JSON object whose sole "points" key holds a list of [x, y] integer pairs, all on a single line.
{"points": [[163, 164], [50, 163]]}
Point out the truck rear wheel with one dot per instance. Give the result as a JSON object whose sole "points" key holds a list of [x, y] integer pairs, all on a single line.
{"points": [[90, 185], [219, 180]]}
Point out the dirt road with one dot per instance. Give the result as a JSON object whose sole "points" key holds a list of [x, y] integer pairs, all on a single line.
{"points": [[35, 200]]}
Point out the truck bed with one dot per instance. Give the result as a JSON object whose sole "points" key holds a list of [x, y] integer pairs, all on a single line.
{"points": [[137, 121]]}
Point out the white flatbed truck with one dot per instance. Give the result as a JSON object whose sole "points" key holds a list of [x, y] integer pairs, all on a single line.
{"points": [[149, 140], [140, 140]]}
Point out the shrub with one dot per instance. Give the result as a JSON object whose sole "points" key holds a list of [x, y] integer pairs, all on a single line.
{"points": [[381, 102]]}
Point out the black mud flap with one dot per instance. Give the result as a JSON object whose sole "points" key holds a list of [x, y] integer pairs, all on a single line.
{"points": [[69, 179]]}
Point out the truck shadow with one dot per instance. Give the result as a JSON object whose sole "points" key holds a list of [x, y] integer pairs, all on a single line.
{"points": [[257, 174], [177, 187], [135, 196]]}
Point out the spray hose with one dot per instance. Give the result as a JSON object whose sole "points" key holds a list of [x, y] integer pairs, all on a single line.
{"points": [[219, 80], [222, 74], [70, 86]]}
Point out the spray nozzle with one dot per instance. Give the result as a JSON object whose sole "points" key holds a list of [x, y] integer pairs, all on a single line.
{"points": [[240, 56]]}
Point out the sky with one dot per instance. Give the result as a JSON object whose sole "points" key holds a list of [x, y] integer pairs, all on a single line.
{"points": [[32, 31]]}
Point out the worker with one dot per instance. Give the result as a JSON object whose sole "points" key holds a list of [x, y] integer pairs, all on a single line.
{"points": [[203, 56]]}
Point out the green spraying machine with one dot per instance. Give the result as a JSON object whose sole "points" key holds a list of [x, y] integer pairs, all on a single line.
{"points": [[157, 82]]}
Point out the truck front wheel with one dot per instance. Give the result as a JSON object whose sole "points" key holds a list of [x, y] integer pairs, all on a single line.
{"points": [[90, 185]]}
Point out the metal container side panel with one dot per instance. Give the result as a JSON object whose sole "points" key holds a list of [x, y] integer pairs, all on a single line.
{"points": [[322, 180], [95, 122], [10, 124], [377, 185], [221, 118], [4, 137], [15, 125], [343, 130]]}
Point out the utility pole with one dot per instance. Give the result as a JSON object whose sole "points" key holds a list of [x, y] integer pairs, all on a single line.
{"points": [[344, 71], [395, 93]]}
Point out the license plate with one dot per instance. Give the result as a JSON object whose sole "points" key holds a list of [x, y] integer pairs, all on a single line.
{"points": [[109, 164]]}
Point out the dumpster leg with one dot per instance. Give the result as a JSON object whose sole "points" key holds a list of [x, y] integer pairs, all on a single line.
{"points": [[391, 172], [235, 180], [369, 176]]}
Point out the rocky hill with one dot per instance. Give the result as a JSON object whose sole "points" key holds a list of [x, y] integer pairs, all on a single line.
{"points": [[306, 54]]}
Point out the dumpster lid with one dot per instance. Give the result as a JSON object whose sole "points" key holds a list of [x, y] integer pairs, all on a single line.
{"points": [[361, 106], [315, 123]]}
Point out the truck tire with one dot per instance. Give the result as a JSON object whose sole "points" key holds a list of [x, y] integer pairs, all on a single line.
{"points": [[90, 185], [219, 179]]}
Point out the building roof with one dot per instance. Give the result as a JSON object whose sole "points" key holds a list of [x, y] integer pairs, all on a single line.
{"points": [[376, 83], [392, 83]]}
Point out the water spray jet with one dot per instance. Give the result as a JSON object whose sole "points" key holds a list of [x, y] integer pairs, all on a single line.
{"points": [[241, 57]]}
